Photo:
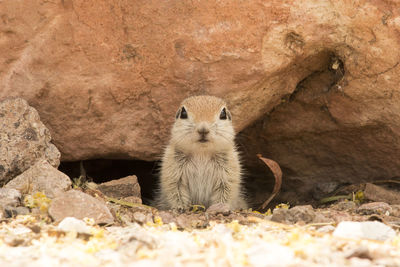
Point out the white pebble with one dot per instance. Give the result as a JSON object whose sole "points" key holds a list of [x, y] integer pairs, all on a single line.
{"points": [[70, 224], [365, 230]]}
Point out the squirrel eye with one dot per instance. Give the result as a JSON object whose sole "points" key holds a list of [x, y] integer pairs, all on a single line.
{"points": [[183, 113], [222, 116]]}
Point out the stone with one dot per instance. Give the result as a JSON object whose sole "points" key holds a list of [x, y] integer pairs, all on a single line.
{"points": [[395, 210], [121, 188], [321, 218], [14, 211], [132, 199], [167, 217], [364, 230], [345, 205], [380, 208], [297, 214], [69, 224], [280, 215], [74, 203], [303, 213], [219, 208], [24, 139], [380, 194], [142, 217], [41, 177], [9, 197], [312, 85]]}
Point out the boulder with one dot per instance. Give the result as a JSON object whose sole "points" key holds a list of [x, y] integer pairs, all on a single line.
{"points": [[41, 177], [79, 205], [24, 139]]}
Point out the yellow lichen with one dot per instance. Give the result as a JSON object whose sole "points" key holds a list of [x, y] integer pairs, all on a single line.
{"points": [[37, 200], [285, 206], [158, 221]]}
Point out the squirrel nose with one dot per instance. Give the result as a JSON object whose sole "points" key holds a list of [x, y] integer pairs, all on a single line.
{"points": [[203, 131]]}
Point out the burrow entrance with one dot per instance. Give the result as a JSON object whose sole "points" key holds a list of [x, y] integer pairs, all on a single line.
{"points": [[147, 172], [104, 170]]}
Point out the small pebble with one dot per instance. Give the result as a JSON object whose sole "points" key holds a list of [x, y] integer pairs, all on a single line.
{"points": [[71, 224]]}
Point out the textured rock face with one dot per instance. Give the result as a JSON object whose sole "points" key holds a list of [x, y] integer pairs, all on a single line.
{"points": [[319, 77], [24, 140], [41, 177]]}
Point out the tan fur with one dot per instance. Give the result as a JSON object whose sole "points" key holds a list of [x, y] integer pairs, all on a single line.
{"points": [[203, 173]]}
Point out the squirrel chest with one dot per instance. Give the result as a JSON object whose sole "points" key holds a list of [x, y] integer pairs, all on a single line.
{"points": [[203, 175]]}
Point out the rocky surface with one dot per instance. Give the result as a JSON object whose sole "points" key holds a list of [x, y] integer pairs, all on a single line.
{"points": [[75, 203], [24, 139], [237, 239], [41, 177]]}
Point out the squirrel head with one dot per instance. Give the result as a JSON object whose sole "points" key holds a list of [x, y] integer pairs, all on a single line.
{"points": [[203, 124]]}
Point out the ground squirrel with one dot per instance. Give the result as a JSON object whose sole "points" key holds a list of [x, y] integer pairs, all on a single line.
{"points": [[201, 165]]}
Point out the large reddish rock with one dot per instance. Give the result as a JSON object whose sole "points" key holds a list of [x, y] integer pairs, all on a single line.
{"points": [[313, 84]]}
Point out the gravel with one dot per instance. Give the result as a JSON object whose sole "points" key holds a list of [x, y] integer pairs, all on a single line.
{"points": [[25, 241]]}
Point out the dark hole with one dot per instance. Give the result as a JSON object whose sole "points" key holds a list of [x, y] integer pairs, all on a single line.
{"points": [[104, 170]]}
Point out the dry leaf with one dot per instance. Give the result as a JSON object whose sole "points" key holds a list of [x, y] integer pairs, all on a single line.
{"points": [[276, 170]]}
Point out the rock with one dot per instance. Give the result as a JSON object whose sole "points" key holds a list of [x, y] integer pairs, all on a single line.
{"points": [[395, 210], [381, 208], [167, 217], [137, 200], [301, 213], [320, 218], [9, 197], [121, 188], [14, 211], [345, 205], [74, 203], [380, 194], [280, 215], [41, 177], [219, 208], [312, 85], [191, 221], [69, 224], [365, 230], [24, 140], [142, 217], [341, 216]]}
